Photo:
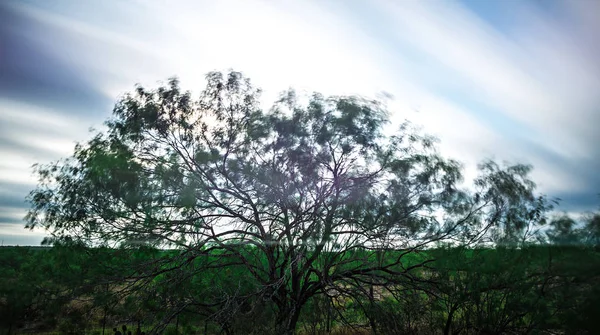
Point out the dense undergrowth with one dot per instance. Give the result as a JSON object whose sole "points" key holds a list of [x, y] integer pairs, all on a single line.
{"points": [[77, 290]]}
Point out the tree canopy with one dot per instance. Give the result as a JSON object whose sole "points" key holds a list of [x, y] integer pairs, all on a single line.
{"points": [[304, 199]]}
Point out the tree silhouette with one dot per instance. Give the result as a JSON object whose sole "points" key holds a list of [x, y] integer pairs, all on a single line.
{"points": [[305, 199]]}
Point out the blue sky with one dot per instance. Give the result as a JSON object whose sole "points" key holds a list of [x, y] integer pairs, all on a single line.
{"points": [[513, 80]]}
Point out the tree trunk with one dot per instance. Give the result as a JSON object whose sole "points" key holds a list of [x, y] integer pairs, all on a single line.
{"points": [[372, 306], [287, 321], [328, 325], [105, 312], [104, 321], [448, 326]]}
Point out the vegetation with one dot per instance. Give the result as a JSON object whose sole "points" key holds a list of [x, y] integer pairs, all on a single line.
{"points": [[534, 289], [216, 216]]}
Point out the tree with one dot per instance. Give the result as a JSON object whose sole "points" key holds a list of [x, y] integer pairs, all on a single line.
{"points": [[305, 198], [17, 301], [31, 291], [591, 230], [583, 231]]}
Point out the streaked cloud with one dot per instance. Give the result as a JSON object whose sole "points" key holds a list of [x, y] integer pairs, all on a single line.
{"points": [[511, 80]]}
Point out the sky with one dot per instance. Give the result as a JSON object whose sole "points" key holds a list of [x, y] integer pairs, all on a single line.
{"points": [[512, 80]]}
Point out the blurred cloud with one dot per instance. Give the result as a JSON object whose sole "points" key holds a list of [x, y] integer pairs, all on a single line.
{"points": [[511, 80]]}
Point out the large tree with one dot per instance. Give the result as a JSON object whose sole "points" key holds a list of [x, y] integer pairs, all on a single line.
{"points": [[305, 198]]}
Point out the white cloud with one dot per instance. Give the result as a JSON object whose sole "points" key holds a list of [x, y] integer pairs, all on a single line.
{"points": [[44, 129], [276, 45], [14, 230], [536, 78], [536, 73]]}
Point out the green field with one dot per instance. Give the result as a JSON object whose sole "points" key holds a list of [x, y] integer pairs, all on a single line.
{"points": [[76, 290]]}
